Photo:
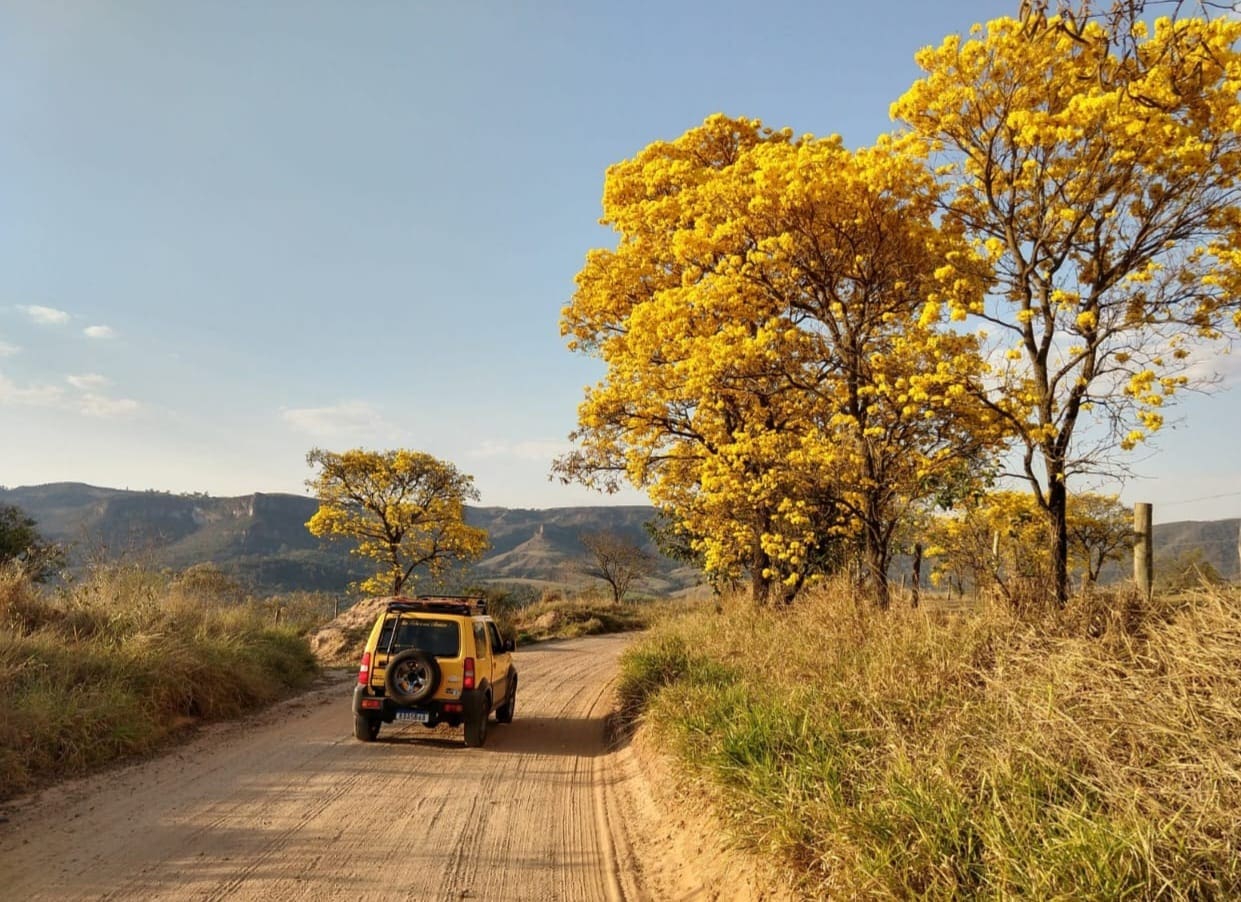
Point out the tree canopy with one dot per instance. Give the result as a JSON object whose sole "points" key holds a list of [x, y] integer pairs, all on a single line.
{"points": [[1094, 160], [404, 509], [777, 374]]}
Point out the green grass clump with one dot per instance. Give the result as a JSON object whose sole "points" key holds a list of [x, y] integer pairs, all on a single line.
{"points": [[914, 754], [123, 661]]}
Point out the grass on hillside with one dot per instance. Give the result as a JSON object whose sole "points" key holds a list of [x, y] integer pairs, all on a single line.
{"points": [[122, 661], [1096, 754]]}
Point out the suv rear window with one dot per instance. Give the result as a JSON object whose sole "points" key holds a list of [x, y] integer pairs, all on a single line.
{"points": [[441, 638]]}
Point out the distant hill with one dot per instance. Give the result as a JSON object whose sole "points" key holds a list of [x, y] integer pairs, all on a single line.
{"points": [[262, 540], [1219, 541]]}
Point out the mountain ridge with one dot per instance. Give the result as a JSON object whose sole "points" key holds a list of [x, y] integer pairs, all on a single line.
{"points": [[261, 539]]}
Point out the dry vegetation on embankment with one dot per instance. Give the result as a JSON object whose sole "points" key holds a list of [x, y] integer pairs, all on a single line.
{"points": [[1093, 754], [124, 660]]}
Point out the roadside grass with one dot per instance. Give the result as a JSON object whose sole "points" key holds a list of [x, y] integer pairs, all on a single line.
{"points": [[558, 618], [120, 662], [1095, 753]]}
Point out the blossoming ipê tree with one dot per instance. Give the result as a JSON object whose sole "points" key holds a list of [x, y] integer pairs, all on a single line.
{"points": [[1094, 159], [405, 510], [774, 378]]}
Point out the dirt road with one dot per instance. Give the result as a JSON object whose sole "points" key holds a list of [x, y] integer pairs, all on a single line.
{"points": [[292, 807]]}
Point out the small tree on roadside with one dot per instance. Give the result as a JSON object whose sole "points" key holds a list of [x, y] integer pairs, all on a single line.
{"points": [[615, 560], [1100, 530], [994, 541], [404, 509]]}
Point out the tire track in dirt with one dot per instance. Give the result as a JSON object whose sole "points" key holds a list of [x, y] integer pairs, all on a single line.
{"points": [[288, 806]]}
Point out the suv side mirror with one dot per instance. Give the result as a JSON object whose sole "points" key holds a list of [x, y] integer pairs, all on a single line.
{"points": [[510, 645]]}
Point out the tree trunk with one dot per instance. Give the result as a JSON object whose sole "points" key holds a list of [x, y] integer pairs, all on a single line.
{"points": [[1058, 511], [760, 585], [877, 574], [876, 560], [875, 536], [917, 575]]}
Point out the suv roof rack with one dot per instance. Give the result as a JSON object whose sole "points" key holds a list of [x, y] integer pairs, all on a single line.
{"points": [[446, 604]]}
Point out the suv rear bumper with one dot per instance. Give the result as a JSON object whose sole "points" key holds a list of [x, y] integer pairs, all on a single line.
{"points": [[367, 704]]}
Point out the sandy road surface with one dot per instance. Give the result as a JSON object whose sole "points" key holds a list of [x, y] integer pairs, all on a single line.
{"points": [[292, 807]]}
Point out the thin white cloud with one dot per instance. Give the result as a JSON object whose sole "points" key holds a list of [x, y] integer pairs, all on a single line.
{"points": [[94, 405], [8, 350], [44, 316], [86, 400], [88, 381], [99, 332], [535, 449], [1213, 365], [348, 418], [33, 395]]}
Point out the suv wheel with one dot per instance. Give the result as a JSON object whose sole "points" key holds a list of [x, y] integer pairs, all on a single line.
{"points": [[412, 676], [504, 713], [476, 725], [366, 727]]}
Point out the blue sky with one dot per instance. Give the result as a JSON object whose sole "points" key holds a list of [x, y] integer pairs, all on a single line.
{"points": [[230, 232]]}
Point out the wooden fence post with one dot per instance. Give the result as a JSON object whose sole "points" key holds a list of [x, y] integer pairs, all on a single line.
{"points": [[1143, 549]]}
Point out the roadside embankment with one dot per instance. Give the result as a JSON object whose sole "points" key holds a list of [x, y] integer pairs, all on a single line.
{"points": [[121, 662], [1093, 753]]}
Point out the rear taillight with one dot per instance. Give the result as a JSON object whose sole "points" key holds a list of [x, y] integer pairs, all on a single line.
{"points": [[364, 672], [467, 678]]}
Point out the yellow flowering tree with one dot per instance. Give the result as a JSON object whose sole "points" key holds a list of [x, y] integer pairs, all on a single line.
{"points": [[996, 541], [1100, 530], [999, 540], [405, 510], [1094, 161], [770, 319]]}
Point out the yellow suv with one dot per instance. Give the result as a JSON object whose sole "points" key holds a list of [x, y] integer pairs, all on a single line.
{"points": [[435, 659]]}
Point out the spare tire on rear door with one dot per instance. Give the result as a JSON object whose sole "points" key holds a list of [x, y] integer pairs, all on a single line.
{"points": [[412, 676]]}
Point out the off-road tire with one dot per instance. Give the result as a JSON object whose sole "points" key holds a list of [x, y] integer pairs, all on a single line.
{"points": [[411, 677], [504, 713], [476, 725], [366, 728]]}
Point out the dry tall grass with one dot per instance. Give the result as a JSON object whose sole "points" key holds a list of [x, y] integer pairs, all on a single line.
{"points": [[123, 660], [1095, 753]]}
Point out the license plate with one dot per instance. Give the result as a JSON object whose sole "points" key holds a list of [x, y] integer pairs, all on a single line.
{"points": [[415, 716]]}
